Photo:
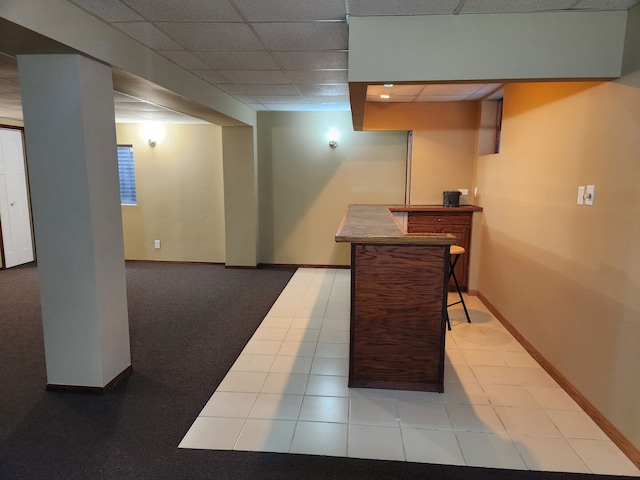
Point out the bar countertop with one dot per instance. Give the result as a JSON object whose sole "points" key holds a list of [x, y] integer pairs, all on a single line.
{"points": [[377, 224]]}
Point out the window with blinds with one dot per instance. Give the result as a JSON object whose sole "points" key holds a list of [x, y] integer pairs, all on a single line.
{"points": [[127, 175]]}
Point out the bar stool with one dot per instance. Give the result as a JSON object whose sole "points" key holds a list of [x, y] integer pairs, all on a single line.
{"points": [[455, 252]]}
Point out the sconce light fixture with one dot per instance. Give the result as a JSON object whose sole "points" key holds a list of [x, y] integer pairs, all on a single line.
{"points": [[333, 138], [152, 132]]}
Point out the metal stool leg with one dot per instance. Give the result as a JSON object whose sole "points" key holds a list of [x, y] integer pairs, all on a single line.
{"points": [[455, 281]]}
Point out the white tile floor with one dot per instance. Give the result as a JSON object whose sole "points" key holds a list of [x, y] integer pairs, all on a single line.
{"points": [[287, 392]]}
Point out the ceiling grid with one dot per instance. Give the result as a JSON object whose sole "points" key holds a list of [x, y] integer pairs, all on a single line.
{"points": [[277, 55]]}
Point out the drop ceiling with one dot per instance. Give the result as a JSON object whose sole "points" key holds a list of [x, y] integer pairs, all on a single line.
{"points": [[275, 55]]}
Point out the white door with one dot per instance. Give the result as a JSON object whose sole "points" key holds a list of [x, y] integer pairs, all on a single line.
{"points": [[15, 215]]}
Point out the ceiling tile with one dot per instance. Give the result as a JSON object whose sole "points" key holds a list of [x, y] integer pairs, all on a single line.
{"points": [[514, 6], [185, 59], [212, 36], [285, 107], [401, 7], [9, 86], [279, 99], [311, 60], [211, 76], [8, 65], [441, 98], [193, 10], [11, 98], [238, 60], [11, 107], [303, 35], [230, 88], [317, 76], [297, 62], [328, 99], [325, 107], [257, 77], [270, 90], [291, 10], [394, 90], [320, 90], [391, 99], [109, 10], [148, 35], [245, 98]]}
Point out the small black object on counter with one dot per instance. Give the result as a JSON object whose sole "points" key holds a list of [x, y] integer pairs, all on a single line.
{"points": [[451, 198]]}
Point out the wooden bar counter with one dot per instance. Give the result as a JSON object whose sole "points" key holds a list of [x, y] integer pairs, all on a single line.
{"points": [[398, 301]]}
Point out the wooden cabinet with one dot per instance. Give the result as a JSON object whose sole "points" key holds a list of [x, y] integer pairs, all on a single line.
{"points": [[457, 223], [398, 302]]}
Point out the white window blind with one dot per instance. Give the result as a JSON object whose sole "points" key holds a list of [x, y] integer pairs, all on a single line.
{"points": [[127, 175]]}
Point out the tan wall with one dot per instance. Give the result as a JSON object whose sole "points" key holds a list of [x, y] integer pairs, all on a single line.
{"points": [[180, 195], [444, 144], [568, 276], [305, 186]]}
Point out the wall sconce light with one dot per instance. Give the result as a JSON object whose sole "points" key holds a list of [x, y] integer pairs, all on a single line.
{"points": [[333, 138], [152, 132]]}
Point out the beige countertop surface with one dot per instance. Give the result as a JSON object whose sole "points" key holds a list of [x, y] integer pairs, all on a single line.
{"points": [[377, 224]]}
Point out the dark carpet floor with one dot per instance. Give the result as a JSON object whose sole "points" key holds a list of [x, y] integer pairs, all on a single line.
{"points": [[188, 324]]}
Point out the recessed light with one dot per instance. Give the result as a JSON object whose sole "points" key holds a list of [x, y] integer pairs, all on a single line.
{"points": [[388, 85], [384, 96]]}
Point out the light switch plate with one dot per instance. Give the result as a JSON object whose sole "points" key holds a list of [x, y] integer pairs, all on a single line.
{"points": [[156, 244], [464, 191], [589, 194], [581, 195]]}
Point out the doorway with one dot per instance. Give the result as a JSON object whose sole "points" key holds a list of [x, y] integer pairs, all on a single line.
{"points": [[16, 241]]}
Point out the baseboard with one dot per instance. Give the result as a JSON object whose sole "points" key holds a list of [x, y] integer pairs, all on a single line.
{"points": [[248, 267], [184, 262], [607, 427], [301, 265], [52, 387]]}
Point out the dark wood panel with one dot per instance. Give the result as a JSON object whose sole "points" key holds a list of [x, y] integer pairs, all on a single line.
{"points": [[456, 223], [439, 219], [397, 327]]}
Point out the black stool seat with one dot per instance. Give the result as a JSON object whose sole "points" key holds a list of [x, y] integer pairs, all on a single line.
{"points": [[455, 252]]}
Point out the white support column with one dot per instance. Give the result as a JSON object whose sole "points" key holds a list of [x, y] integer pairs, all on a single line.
{"points": [[71, 156]]}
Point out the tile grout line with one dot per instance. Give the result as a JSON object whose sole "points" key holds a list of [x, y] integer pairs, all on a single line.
{"points": [[519, 377]]}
